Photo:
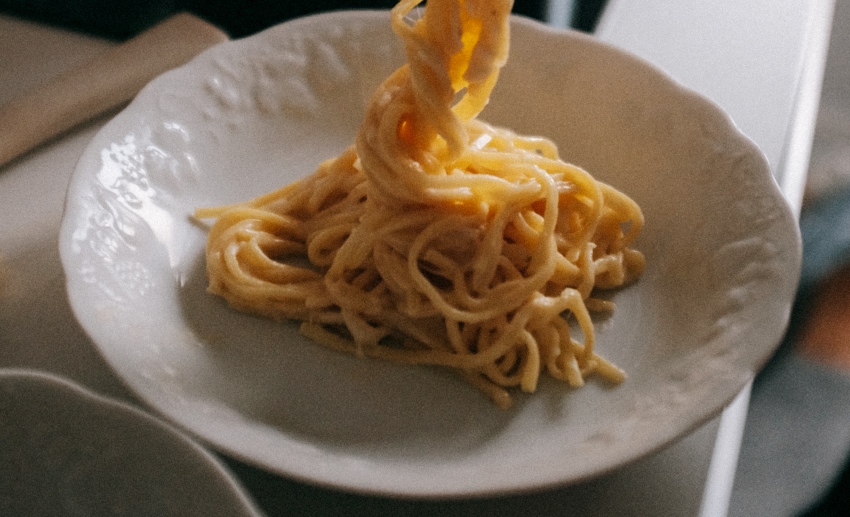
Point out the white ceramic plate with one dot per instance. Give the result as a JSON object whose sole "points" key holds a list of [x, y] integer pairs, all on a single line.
{"points": [[67, 451], [249, 116]]}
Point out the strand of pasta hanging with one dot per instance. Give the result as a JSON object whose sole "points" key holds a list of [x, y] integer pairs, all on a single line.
{"points": [[437, 238]]}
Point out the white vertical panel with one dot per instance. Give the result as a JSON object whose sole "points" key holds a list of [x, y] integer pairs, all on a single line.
{"points": [[749, 56]]}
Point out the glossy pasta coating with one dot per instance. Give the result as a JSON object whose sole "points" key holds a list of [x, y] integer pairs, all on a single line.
{"points": [[437, 238]]}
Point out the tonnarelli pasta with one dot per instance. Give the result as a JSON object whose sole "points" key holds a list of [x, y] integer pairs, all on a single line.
{"points": [[437, 238]]}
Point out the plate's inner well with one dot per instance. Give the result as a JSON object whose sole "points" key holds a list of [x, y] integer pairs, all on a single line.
{"points": [[250, 116]]}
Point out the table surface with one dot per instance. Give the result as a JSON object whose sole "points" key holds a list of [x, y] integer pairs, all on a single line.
{"points": [[760, 60]]}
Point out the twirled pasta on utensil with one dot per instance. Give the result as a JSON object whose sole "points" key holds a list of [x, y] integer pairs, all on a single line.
{"points": [[437, 238]]}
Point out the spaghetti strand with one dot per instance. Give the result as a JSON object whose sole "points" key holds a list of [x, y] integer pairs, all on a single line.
{"points": [[437, 238]]}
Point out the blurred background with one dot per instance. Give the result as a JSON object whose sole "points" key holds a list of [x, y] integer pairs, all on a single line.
{"points": [[120, 19]]}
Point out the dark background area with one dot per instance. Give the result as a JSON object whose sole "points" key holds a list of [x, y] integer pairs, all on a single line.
{"points": [[120, 19]]}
